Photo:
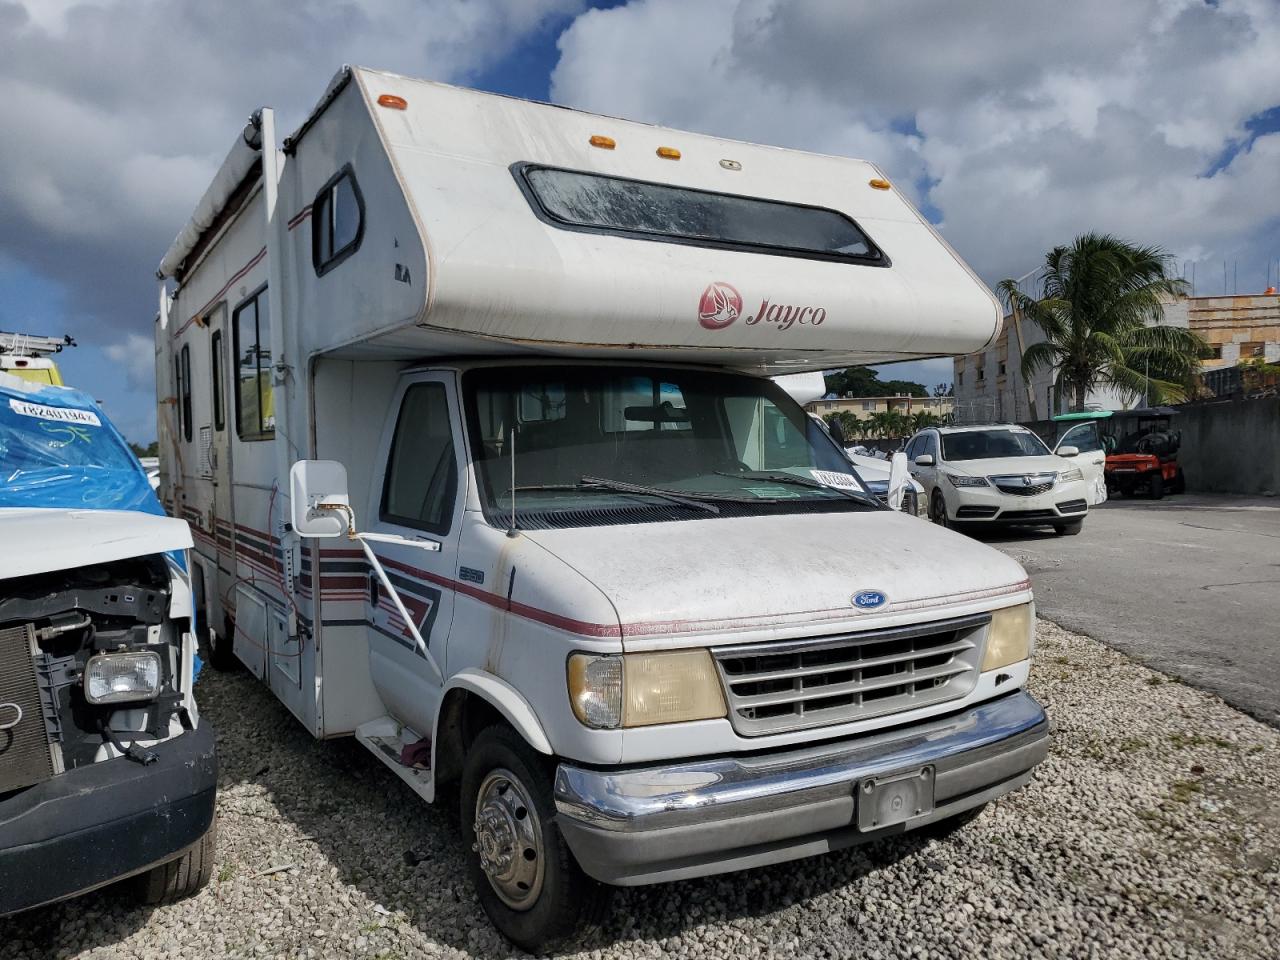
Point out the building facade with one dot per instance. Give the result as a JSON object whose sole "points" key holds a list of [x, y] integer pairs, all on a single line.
{"points": [[989, 386], [866, 407]]}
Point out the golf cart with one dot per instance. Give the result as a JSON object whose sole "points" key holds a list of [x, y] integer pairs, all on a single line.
{"points": [[1141, 447]]}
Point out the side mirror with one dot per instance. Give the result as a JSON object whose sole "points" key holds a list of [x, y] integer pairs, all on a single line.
{"points": [[837, 432], [315, 485], [924, 460], [1068, 451], [897, 480]]}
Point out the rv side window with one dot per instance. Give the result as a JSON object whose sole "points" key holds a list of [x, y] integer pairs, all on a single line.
{"points": [[337, 221], [657, 211], [422, 471], [251, 324], [215, 367], [184, 392]]}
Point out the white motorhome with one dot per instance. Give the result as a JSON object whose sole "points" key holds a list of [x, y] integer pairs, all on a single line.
{"points": [[466, 399]]}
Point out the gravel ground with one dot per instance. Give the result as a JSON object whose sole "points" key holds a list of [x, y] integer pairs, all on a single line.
{"points": [[1150, 831]]}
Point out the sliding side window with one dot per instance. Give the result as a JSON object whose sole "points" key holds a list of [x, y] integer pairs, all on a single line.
{"points": [[251, 325], [337, 221], [184, 392]]}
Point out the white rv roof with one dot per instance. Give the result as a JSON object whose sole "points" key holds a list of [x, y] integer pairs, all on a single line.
{"points": [[499, 270]]}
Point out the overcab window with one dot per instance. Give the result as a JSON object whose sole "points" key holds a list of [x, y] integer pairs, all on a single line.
{"points": [[591, 202], [255, 418], [337, 221]]}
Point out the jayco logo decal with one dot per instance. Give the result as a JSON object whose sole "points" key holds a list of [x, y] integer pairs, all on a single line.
{"points": [[869, 599], [721, 305]]}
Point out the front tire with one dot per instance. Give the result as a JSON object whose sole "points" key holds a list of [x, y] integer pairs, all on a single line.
{"points": [[938, 509], [522, 870], [1179, 484], [182, 876], [1156, 490]]}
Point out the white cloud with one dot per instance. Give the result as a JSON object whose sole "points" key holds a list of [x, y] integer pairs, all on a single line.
{"points": [[1036, 120], [135, 357]]}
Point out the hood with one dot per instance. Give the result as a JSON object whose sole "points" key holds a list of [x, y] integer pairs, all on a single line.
{"points": [[998, 466], [61, 539], [767, 573]]}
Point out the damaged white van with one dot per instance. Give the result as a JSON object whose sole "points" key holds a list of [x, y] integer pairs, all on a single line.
{"points": [[106, 771], [467, 400]]}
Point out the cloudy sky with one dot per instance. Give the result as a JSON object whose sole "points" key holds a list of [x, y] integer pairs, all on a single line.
{"points": [[1015, 124]]}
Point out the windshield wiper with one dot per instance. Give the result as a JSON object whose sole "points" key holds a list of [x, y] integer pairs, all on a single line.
{"points": [[770, 476], [619, 486]]}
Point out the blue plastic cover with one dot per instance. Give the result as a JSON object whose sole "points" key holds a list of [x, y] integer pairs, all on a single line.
{"points": [[58, 449]]}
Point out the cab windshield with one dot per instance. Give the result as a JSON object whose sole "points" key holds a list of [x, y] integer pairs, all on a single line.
{"points": [[991, 445], [595, 445]]}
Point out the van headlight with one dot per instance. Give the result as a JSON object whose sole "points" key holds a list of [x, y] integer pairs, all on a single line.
{"points": [[641, 689], [122, 677], [1008, 637], [1075, 473], [960, 480]]}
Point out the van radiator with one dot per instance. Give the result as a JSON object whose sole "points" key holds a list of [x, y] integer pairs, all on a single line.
{"points": [[819, 681], [26, 756]]}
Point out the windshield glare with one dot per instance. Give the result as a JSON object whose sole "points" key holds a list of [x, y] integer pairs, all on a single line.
{"points": [[991, 445], [695, 433]]}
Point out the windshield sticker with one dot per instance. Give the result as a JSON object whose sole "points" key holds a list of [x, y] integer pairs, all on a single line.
{"points": [[59, 414], [774, 493], [832, 478]]}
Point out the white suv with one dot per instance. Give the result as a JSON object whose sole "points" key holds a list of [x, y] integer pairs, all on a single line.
{"points": [[998, 475]]}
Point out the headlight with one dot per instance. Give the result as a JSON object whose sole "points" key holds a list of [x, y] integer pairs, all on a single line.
{"points": [[959, 480], [122, 677], [640, 689], [1075, 473], [1009, 637]]}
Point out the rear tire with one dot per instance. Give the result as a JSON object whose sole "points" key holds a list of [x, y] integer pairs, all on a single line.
{"points": [[533, 890], [1156, 488], [1068, 529], [180, 877], [220, 653]]}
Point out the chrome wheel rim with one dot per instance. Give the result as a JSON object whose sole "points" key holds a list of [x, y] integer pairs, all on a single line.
{"points": [[509, 839]]}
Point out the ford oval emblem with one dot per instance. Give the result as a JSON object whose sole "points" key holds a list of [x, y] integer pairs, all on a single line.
{"points": [[869, 599]]}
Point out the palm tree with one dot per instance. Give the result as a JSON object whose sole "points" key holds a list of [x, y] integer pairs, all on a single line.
{"points": [[1100, 310], [922, 419]]}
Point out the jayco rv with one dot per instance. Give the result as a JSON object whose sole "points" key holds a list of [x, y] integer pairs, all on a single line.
{"points": [[467, 401]]}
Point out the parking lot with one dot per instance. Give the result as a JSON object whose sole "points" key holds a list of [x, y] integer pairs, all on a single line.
{"points": [[1151, 830], [1189, 585]]}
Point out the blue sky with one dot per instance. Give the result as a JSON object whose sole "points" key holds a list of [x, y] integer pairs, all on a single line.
{"points": [[1153, 119]]}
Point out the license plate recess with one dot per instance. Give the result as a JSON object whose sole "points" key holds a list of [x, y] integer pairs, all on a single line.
{"points": [[896, 798]]}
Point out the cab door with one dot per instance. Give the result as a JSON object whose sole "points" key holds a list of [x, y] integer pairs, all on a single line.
{"points": [[1092, 459], [419, 498]]}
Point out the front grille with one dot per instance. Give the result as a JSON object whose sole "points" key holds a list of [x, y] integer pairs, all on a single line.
{"points": [[1028, 515], [26, 757], [815, 682], [1025, 484], [1073, 506]]}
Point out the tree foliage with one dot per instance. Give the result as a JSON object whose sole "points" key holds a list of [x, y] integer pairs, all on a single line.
{"points": [[862, 381], [1101, 306]]}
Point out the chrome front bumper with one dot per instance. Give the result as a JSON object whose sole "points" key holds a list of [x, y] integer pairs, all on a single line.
{"points": [[652, 824]]}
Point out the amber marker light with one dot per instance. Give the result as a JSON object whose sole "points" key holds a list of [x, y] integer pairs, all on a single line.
{"points": [[879, 184], [604, 143], [393, 102], [669, 153]]}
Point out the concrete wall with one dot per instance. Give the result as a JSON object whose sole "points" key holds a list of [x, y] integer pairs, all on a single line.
{"points": [[1231, 447]]}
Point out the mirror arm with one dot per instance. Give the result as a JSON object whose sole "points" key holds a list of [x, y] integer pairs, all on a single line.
{"points": [[395, 598], [392, 592]]}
